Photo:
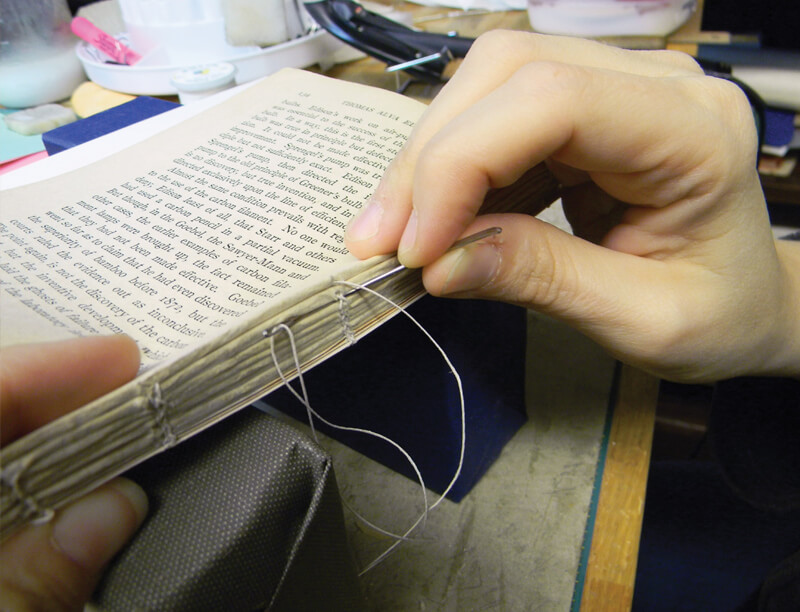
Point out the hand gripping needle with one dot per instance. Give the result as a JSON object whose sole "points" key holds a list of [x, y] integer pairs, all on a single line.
{"points": [[492, 231]]}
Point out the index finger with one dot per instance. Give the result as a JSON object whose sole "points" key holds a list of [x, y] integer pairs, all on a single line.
{"points": [[659, 144], [493, 59], [497, 55], [40, 382]]}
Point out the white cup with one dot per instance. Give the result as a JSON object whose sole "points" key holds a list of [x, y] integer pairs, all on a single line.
{"points": [[594, 18], [181, 32]]}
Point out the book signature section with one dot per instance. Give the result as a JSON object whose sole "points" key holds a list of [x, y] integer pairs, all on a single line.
{"points": [[221, 227]]}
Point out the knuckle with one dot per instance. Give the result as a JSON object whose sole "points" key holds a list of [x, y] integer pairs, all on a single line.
{"points": [[441, 166], [493, 42], [677, 59], [734, 107], [726, 100], [541, 277], [733, 98], [722, 113], [540, 72], [552, 80], [404, 160]]}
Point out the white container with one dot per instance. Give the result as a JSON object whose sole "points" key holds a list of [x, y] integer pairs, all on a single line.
{"points": [[152, 78], [593, 18], [37, 57]]}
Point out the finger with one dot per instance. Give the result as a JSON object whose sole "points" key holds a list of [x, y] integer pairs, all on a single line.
{"points": [[55, 566], [493, 59], [618, 128], [497, 55], [39, 382]]}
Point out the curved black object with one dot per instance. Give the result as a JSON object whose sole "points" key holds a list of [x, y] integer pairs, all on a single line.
{"points": [[387, 40]]}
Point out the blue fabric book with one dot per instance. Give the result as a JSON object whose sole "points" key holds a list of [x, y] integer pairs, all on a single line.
{"points": [[105, 122]]}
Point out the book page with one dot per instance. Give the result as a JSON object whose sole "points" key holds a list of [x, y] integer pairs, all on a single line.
{"points": [[175, 238], [96, 149]]}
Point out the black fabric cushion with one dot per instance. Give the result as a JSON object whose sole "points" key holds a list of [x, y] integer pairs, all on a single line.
{"points": [[244, 516]]}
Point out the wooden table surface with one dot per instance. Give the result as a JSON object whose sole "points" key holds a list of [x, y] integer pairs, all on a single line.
{"points": [[611, 568]]}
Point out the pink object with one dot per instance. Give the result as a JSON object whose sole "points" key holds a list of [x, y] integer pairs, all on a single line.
{"points": [[109, 45], [22, 161]]}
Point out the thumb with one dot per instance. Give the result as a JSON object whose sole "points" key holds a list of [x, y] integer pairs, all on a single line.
{"points": [[531, 263], [56, 565], [622, 301]]}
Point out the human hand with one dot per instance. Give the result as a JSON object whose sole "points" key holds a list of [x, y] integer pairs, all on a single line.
{"points": [[673, 267], [56, 565]]}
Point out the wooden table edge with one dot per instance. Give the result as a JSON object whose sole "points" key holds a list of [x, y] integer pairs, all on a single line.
{"points": [[614, 548]]}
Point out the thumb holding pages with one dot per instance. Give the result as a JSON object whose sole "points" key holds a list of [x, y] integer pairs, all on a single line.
{"points": [[673, 266], [56, 565]]}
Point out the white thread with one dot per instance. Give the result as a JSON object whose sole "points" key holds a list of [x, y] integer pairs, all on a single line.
{"points": [[45, 516], [460, 386], [303, 399], [39, 515], [161, 424], [344, 318], [311, 413]]}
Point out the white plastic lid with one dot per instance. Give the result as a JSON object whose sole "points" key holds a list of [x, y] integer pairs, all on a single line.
{"points": [[204, 78]]}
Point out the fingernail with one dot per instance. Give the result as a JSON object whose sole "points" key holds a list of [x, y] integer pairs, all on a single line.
{"points": [[471, 268], [409, 234], [92, 530], [367, 223]]}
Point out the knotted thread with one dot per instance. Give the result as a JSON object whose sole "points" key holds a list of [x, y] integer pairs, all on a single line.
{"points": [[344, 318], [161, 425], [37, 513]]}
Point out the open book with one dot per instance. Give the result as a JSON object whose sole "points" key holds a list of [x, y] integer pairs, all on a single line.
{"points": [[198, 242]]}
